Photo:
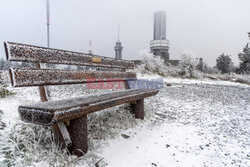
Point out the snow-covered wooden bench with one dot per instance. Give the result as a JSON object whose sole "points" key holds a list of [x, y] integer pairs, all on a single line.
{"points": [[68, 118]]}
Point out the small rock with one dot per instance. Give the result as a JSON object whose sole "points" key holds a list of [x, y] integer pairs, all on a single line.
{"points": [[125, 136], [97, 163], [168, 84], [201, 147], [1, 112], [153, 164], [2, 125], [207, 145]]}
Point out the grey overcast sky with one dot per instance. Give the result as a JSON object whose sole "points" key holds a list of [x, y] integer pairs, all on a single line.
{"points": [[205, 27]]}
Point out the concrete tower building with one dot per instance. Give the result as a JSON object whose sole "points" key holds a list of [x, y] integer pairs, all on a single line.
{"points": [[160, 45], [118, 50], [118, 47]]}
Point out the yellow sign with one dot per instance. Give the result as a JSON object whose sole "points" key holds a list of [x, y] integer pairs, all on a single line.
{"points": [[97, 59]]}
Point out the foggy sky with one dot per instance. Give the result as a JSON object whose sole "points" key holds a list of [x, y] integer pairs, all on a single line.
{"points": [[205, 27]]}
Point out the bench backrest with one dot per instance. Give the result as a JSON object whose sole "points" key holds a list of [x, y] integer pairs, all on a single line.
{"points": [[39, 77]]}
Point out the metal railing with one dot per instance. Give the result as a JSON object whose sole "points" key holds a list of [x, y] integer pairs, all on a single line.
{"points": [[159, 43]]}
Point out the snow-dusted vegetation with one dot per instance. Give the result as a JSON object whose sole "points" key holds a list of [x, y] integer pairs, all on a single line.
{"points": [[197, 119], [27, 144], [186, 69]]}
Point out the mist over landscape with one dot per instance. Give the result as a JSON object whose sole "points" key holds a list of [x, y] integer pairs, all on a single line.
{"points": [[124, 83], [208, 28]]}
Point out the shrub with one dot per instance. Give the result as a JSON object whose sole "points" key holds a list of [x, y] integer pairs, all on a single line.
{"points": [[4, 92], [155, 64], [188, 64]]}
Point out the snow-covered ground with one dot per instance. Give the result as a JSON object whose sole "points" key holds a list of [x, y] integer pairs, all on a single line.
{"points": [[189, 123]]}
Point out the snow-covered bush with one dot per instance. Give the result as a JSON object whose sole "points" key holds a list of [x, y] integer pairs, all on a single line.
{"points": [[243, 78], [233, 77], [2, 124], [188, 64], [186, 69], [4, 78], [4, 82], [155, 65], [1, 78]]}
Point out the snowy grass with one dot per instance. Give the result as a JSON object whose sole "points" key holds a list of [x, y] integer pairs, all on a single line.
{"points": [[23, 144], [2, 124], [217, 110], [29, 144], [196, 124], [207, 112], [154, 65]]}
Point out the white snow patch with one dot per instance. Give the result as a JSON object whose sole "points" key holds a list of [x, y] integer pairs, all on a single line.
{"points": [[191, 123]]}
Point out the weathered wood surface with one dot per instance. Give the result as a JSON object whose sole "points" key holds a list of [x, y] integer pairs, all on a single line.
{"points": [[55, 111], [36, 54], [138, 109], [39, 77], [78, 131], [42, 91]]}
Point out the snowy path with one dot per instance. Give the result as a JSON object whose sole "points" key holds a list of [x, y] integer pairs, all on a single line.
{"points": [[203, 125]]}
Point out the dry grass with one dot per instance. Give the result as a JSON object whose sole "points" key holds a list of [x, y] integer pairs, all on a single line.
{"points": [[34, 145]]}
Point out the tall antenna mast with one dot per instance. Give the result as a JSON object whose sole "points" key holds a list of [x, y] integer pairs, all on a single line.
{"points": [[48, 23], [118, 32], [90, 47]]}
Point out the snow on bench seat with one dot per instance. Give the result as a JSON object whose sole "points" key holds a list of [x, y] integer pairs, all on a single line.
{"points": [[51, 112]]}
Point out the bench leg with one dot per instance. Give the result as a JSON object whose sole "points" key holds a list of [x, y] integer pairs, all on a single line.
{"points": [[138, 109], [79, 136]]}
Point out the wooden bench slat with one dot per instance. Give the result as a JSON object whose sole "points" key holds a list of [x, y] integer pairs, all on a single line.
{"points": [[36, 54], [39, 77], [53, 106], [55, 111]]}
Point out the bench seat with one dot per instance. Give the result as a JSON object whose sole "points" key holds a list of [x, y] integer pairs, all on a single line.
{"points": [[52, 112], [68, 118]]}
